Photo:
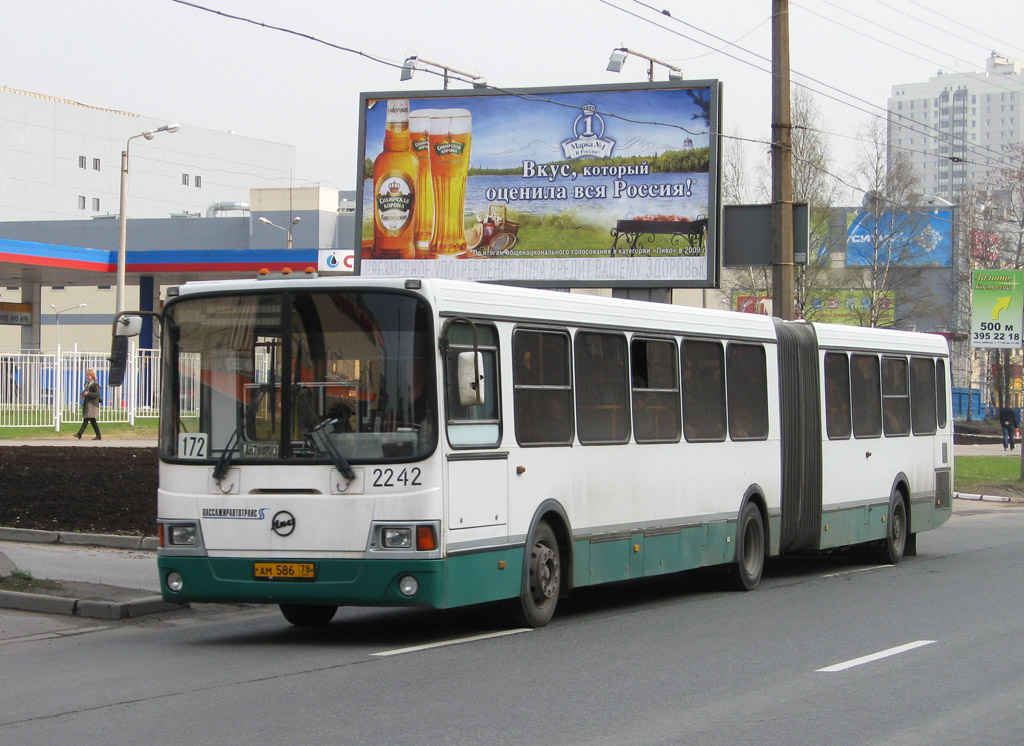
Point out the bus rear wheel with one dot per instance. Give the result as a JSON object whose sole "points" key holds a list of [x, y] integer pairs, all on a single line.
{"points": [[303, 615], [750, 549], [536, 604]]}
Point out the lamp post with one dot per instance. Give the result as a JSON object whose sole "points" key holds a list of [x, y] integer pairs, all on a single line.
{"points": [[618, 59], [409, 67], [288, 230], [122, 221], [57, 316]]}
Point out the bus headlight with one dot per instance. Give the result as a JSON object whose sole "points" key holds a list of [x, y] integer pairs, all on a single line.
{"points": [[175, 581], [396, 538], [408, 585], [183, 535]]}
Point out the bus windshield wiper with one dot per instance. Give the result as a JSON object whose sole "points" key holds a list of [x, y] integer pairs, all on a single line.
{"points": [[220, 469], [318, 435]]}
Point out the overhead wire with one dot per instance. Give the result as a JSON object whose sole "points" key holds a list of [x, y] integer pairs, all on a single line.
{"points": [[733, 44]]}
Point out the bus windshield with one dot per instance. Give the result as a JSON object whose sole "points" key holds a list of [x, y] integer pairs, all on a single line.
{"points": [[310, 376]]}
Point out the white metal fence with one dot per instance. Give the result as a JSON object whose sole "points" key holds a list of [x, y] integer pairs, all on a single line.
{"points": [[42, 389]]}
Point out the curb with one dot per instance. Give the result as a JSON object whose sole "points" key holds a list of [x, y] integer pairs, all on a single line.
{"points": [[35, 536], [86, 608], [986, 498], [83, 607]]}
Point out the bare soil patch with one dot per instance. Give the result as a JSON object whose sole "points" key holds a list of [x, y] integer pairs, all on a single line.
{"points": [[91, 490]]}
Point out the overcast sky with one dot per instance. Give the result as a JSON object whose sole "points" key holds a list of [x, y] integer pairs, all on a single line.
{"points": [[171, 60]]}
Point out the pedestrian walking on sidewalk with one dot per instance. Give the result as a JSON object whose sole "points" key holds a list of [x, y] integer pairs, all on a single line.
{"points": [[90, 397], [1008, 421]]}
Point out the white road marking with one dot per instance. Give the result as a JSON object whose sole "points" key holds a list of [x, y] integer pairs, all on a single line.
{"points": [[445, 643], [859, 569], [876, 656]]}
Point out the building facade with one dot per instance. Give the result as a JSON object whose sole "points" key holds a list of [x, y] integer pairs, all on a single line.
{"points": [[958, 128]]}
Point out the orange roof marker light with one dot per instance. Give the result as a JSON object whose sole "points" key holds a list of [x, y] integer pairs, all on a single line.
{"points": [[286, 273]]}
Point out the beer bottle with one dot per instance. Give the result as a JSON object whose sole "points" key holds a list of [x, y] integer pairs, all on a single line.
{"points": [[395, 172]]}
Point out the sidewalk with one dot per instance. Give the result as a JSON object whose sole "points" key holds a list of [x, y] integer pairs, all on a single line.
{"points": [[85, 442], [101, 577]]}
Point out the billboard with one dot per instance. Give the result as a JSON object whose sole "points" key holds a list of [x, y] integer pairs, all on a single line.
{"points": [[598, 186], [997, 307], [919, 239]]}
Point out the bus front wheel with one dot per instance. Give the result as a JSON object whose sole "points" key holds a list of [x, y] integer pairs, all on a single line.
{"points": [[303, 615], [536, 604], [890, 551], [750, 549]]}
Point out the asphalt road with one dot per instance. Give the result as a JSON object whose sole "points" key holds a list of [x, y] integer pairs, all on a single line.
{"points": [[665, 662]]}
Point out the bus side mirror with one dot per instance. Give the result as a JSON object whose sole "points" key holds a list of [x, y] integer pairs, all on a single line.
{"points": [[124, 327], [118, 361], [471, 378]]}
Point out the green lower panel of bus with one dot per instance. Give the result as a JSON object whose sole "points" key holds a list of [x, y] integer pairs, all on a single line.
{"points": [[442, 583], [603, 559]]}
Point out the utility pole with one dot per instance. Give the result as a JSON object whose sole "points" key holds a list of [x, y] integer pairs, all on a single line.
{"points": [[783, 271]]}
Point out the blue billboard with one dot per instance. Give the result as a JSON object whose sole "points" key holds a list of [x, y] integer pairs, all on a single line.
{"points": [[914, 238]]}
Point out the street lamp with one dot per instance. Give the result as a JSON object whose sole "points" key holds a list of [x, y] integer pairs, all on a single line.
{"points": [[57, 316], [618, 59], [122, 239], [409, 67], [288, 230]]}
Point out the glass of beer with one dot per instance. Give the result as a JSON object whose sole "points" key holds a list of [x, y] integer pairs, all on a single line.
{"points": [[450, 135], [423, 223]]}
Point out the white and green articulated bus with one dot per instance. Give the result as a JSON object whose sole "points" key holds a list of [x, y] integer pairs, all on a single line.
{"points": [[332, 442]]}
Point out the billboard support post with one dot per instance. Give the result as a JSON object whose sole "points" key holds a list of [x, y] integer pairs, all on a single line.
{"points": [[783, 272]]}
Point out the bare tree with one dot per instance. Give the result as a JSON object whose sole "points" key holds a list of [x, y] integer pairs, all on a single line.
{"points": [[736, 188], [814, 184]]}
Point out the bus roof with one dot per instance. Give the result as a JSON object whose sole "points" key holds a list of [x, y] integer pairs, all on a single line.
{"points": [[483, 300]]}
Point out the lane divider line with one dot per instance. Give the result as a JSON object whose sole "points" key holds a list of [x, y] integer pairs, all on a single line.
{"points": [[876, 656], [446, 643]]}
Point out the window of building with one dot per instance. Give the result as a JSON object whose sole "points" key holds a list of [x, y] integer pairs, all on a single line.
{"points": [[184, 179], [199, 181], [81, 202], [95, 204], [602, 388], [865, 391], [747, 389], [81, 161], [654, 374], [703, 391], [895, 396], [837, 395], [542, 387], [95, 164]]}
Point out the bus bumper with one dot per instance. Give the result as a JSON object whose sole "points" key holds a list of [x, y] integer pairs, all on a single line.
{"points": [[441, 583], [340, 582]]}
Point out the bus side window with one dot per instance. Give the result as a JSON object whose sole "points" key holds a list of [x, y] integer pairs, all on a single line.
{"points": [[895, 396], [837, 395], [703, 391], [922, 395], [655, 378], [478, 425], [602, 388], [747, 379], [866, 394], [940, 392], [542, 387]]}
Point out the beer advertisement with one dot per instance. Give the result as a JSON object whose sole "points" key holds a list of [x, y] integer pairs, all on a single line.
{"points": [[603, 186]]}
